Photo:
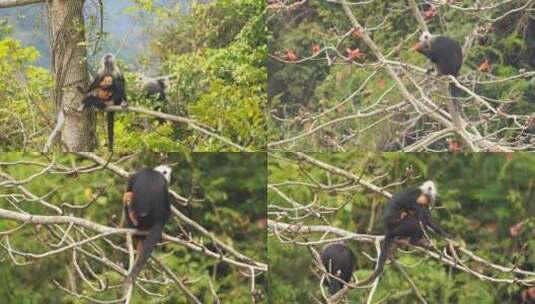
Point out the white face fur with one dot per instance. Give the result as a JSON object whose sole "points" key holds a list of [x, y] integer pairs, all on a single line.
{"points": [[425, 38], [428, 188], [108, 57], [165, 171]]}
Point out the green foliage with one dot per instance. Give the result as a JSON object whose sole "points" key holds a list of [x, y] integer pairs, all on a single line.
{"points": [[23, 88], [219, 66], [481, 196], [318, 91], [214, 52]]}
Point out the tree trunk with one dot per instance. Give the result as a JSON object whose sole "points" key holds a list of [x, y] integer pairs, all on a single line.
{"points": [[68, 61]]}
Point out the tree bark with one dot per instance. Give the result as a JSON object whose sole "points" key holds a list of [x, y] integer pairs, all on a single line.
{"points": [[68, 61]]}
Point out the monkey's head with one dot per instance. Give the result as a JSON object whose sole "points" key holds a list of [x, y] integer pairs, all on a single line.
{"points": [[107, 58], [108, 63], [429, 191], [424, 42], [165, 171]]}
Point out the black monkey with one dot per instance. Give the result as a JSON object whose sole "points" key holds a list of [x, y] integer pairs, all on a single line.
{"points": [[444, 52], [153, 87], [339, 261], [108, 85], [148, 207], [402, 217]]}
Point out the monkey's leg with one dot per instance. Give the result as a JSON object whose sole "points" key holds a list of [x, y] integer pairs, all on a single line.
{"points": [[132, 216], [421, 242], [127, 197], [400, 242], [139, 247], [435, 226], [407, 228], [138, 240]]}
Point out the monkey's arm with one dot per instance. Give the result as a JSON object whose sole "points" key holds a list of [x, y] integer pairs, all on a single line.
{"points": [[130, 184], [95, 84], [119, 83], [420, 213], [128, 196], [92, 86], [430, 221], [429, 53]]}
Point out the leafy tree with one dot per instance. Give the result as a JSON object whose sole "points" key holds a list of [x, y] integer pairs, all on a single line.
{"points": [[482, 197]]}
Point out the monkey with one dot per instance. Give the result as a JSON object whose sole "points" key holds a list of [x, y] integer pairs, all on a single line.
{"points": [[339, 261], [153, 87], [447, 56], [100, 98], [108, 85], [444, 52], [402, 217], [147, 207]]}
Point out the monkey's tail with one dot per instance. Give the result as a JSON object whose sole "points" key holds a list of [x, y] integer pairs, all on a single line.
{"points": [[454, 90], [386, 247], [334, 286], [149, 243], [111, 122], [453, 104]]}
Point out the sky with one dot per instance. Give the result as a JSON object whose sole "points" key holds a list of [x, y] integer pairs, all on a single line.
{"points": [[129, 32]]}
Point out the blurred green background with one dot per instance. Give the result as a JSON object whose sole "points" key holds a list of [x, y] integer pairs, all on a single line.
{"points": [[228, 200], [481, 196]]}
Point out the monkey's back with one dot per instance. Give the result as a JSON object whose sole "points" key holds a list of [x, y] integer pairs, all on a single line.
{"points": [[154, 89], [449, 55], [399, 202], [338, 257], [150, 199]]}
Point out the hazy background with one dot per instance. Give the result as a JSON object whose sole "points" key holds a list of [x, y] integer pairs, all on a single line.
{"points": [[129, 31]]}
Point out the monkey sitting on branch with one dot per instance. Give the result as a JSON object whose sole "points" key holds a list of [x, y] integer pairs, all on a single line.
{"points": [[447, 58], [100, 97], [405, 215], [147, 207], [108, 88], [339, 261]]}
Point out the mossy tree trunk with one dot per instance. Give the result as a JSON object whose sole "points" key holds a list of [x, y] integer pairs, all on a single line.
{"points": [[69, 68]]}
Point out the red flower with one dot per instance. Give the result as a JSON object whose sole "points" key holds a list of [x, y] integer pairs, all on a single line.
{"points": [[355, 32], [454, 145], [290, 55], [316, 48], [354, 54], [484, 66], [430, 13]]}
